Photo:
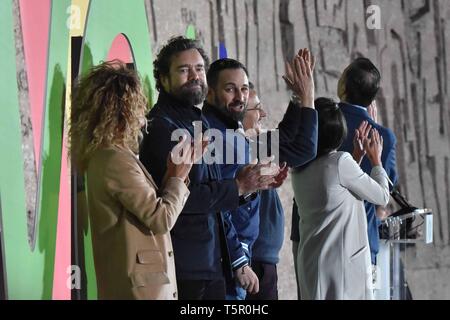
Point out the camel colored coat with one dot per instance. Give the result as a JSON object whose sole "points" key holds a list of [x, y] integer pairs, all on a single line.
{"points": [[131, 221]]}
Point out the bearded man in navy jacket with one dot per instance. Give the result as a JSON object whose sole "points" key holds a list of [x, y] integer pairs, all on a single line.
{"points": [[226, 107], [204, 239]]}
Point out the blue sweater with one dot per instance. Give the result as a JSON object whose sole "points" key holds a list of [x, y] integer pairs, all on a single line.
{"points": [[271, 228]]}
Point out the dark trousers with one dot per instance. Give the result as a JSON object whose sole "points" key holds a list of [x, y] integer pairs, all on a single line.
{"points": [[201, 289], [268, 281]]}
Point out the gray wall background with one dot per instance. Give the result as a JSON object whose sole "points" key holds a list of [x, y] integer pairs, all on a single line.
{"points": [[410, 49]]}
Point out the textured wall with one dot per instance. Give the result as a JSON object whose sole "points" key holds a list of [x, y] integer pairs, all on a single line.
{"points": [[411, 51]]}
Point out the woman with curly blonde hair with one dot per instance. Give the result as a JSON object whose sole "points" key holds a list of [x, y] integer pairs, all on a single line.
{"points": [[131, 219]]}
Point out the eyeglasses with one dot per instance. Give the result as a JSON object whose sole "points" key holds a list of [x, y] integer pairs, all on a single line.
{"points": [[258, 107]]}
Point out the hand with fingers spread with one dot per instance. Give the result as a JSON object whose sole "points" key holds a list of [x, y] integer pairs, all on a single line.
{"points": [[372, 109], [299, 77], [361, 135], [374, 148], [247, 279], [307, 56]]}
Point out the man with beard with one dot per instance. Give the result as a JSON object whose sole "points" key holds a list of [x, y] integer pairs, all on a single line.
{"points": [[226, 108], [204, 239]]}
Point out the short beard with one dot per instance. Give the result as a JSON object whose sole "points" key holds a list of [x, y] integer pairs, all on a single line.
{"points": [[238, 117], [190, 96]]}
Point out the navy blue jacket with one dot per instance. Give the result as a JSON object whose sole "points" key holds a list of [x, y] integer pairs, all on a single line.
{"points": [[271, 228], [245, 218], [355, 115], [204, 239], [297, 146]]}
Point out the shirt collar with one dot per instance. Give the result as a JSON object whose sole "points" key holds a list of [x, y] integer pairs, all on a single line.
{"points": [[354, 108]]}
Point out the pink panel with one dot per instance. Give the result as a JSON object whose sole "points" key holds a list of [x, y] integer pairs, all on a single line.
{"points": [[120, 49], [35, 18], [63, 239]]}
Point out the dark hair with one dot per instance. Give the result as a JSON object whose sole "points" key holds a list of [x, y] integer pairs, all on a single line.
{"points": [[332, 126], [362, 82], [222, 64], [161, 65], [251, 86]]}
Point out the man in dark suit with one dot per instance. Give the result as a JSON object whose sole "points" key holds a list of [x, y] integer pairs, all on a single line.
{"points": [[357, 89]]}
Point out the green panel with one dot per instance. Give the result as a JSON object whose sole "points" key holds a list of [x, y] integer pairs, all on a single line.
{"points": [[30, 273], [20, 264], [105, 20]]}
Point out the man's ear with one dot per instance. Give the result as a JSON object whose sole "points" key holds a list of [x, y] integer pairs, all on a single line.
{"points": [[210, 97], [165, 82]]}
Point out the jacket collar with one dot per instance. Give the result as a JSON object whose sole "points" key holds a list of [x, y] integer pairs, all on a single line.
{"points": [[167, 104], [353, 108], [165, 98]]}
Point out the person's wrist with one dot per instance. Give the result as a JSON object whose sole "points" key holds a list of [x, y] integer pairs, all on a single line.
{"points": [[174, 177], [240, 188], [357, 156], [295, 99], [375, 162], [178, 175], [247, 197], [308, 103], [243, 268]]}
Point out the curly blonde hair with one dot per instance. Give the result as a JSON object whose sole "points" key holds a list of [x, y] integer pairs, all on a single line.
{"points": [[108, 108]]}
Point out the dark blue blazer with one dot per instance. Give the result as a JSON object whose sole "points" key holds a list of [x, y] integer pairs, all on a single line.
{"points": [[204, 239], [355, 115], [297, 137]]}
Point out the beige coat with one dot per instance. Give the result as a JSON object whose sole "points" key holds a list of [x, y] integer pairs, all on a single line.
{"points": [[131, 221], [333, 259]]}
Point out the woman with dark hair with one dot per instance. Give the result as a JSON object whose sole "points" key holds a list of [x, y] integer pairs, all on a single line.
{"points": [[333, 255], [130, 217]]}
